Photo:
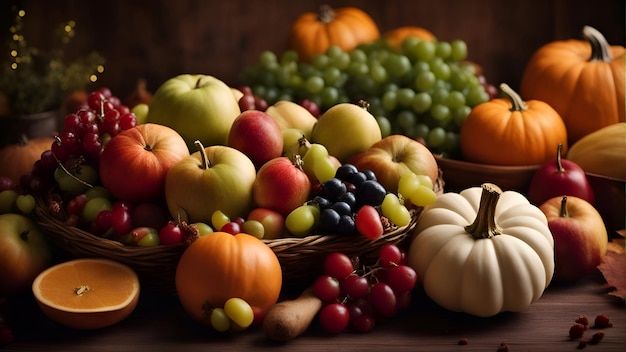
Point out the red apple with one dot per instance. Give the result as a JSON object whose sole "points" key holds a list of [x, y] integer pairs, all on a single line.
{"points": [[395, 155], [580, 236], [273, 222], [214, 178], [560, 177], [134, 163], [24, 253], [257, 135], [281, 186]]}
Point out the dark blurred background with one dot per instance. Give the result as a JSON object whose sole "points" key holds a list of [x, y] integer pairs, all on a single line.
{"points": [[158, 39]]}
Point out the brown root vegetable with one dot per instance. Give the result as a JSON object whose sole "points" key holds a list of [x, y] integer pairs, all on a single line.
{"points": [[287, 320]]}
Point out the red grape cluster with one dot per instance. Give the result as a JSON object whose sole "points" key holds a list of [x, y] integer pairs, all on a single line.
{"points": [[354, 299], [86, 131], [82, 139]]}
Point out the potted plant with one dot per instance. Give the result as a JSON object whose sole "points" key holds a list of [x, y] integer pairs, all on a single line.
{"points": [[34, 82]]}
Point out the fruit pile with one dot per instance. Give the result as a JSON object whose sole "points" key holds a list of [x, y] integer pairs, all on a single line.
{"points": [[425, 89]]}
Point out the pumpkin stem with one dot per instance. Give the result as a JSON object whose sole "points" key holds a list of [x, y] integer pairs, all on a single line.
{"points": [[22, 140], [599, 46], [563, 213], [484, 226], [559, 164], [326, 14], [516, 100], [206, 163]]}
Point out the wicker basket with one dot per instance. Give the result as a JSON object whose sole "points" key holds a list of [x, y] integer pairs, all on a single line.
{"points": [[300, 258]]}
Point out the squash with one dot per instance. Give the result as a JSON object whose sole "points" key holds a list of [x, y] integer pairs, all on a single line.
{"points": [[19, 159], [396, 36], [512, 132], [581, 79], [602, 152], [220, 266], [483, 251], [346, 27]]}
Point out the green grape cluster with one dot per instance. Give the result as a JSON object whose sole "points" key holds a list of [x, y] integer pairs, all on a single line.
{"points": [[424, 89]]}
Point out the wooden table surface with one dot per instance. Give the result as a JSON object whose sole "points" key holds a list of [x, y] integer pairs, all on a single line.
{"points": [[159, 323]]}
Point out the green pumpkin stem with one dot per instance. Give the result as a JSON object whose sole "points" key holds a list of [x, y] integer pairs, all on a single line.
{"points": [[599, 46], [484, 226], [516, 100]]}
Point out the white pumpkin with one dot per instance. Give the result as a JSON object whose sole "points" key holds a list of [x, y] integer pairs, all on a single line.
{"points": [[483, 251]]}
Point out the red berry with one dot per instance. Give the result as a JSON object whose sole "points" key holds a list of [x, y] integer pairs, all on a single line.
{"points": [[602, 321], [231, 227], [171, 234], [576, 331]]}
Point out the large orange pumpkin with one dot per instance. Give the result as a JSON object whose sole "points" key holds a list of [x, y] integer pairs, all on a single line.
{"points": [[219, 266], [396, 36], [510, 131], [581, 79], [313, 33], [18, 159]]}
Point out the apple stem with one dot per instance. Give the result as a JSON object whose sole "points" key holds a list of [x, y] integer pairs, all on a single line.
{"points": [[206, 163], [559, 164], [517, 102], [364, 104], [484, 225], [563, 212]]}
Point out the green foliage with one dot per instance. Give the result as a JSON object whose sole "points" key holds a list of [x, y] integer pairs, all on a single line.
{"points": [[36, 81]]}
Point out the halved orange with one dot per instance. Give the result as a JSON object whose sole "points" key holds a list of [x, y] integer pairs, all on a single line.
{"points": [[87, 293]]}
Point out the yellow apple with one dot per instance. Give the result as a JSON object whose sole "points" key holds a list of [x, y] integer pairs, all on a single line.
{"points": [[345, 130], [292, 115], [199, 107], [395, 155], [213, 178]]}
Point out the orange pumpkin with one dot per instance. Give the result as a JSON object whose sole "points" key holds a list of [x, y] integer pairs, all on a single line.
{"points": [[396, 36], [581, 79], [509, 131], [18, 159], [219, 266], [313, 33]]}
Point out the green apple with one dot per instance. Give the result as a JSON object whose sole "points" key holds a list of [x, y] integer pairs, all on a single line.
{"points": [[198, 107], [141, 112], [215, 178], [24, 253], [346, 129]]}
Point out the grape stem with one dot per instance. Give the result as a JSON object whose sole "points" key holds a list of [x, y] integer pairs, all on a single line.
{"points": [[484, 225], [57, 139]]}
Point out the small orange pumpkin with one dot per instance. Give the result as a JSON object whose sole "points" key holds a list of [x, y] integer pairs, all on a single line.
{"points": [[313, 33], [396, 36], [509, 131], [581, 79], [219, 266], [18, 159]]}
